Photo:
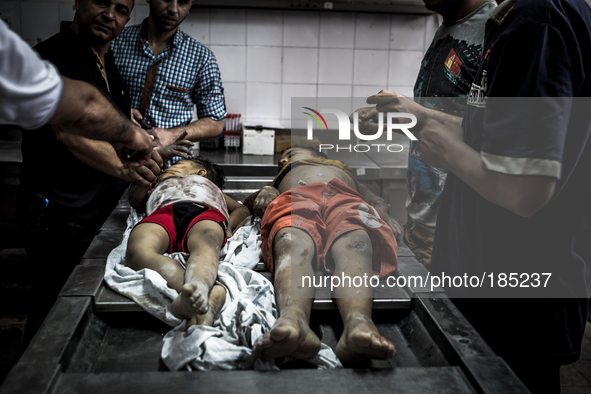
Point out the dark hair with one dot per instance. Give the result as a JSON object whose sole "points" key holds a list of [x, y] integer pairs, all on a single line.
{"points": [[215, 173], [315, 151]]}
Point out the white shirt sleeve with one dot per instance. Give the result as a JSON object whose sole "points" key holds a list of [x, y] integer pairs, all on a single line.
{"points": [[30, 88]]}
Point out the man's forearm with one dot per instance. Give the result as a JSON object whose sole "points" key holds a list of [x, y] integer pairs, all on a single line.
{"points": [[520, 194], [103, 157], [387, 101], [197, 131], [85, 111], [97, 154], [442, 117], [201, 129]]}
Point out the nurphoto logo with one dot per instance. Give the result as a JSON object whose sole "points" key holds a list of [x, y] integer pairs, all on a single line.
{"points": [[345, 129]]}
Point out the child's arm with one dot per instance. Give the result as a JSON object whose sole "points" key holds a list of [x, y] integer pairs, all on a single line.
{"points": [[238, 213], [380, 205], [258, 201]]}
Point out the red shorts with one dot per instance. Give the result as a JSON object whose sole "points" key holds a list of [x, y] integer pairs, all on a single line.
{"points": [[325, 212], [177, 219]]}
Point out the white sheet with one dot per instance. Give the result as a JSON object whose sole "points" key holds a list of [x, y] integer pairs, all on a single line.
{"points": [[249, 310], [243, 249]]}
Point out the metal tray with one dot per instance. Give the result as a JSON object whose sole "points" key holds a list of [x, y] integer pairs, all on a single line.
{"points": [[95, 341]]}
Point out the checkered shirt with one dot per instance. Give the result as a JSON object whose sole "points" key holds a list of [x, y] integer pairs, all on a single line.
{"points": [[187, 74]]}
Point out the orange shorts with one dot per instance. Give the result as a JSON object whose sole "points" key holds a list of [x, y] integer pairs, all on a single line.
{"points": [[325, 212]]}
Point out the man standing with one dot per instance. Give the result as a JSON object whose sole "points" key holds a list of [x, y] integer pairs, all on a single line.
{"points": [[63, 200], [441, 89], [167, 72], [517, 203]]}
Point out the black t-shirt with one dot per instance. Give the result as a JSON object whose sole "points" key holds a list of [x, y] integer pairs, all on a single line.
{"points": [[77, 193], [528, 113]]}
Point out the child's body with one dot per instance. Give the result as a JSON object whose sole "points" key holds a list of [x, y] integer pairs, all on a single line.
{"points": [[317, 216], [187, 212]]}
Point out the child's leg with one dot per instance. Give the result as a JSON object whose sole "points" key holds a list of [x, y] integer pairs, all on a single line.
{"points": [[204, 241], [293, 253], [352, 254], [145, 247]]}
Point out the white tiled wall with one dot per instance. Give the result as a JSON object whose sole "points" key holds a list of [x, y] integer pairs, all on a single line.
{"points": [[267, 57]]}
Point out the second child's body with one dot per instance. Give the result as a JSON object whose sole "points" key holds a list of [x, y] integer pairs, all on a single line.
{"points": [[316, 216], [187, 212]]}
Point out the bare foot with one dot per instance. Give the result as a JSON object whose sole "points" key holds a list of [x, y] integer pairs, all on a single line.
{"points": [[192, 300], [217, 298], [362, 340], [291, 336]]}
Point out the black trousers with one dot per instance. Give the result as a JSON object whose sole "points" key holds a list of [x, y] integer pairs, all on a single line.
{"points": [[538, 374], [518, 330], [53, 250]]}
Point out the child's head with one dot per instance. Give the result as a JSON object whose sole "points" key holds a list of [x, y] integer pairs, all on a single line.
{"points": [[214, 172], [197, 166]]}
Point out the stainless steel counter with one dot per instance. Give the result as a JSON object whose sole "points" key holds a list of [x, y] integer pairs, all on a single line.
{"points": [[94, 341]]}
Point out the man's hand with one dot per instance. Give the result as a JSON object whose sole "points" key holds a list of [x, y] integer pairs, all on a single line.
{"points": [[180, 148], [368, 120], [434, 140], [146, 174], [135, 114], [164, 137], [136, 147], [386, 101], [265, 197], [129, 159]]}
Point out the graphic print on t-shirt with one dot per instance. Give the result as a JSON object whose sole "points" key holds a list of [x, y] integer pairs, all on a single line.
{"points": [[445, 77], [457, 61], [446, 71], [453, 63]]}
